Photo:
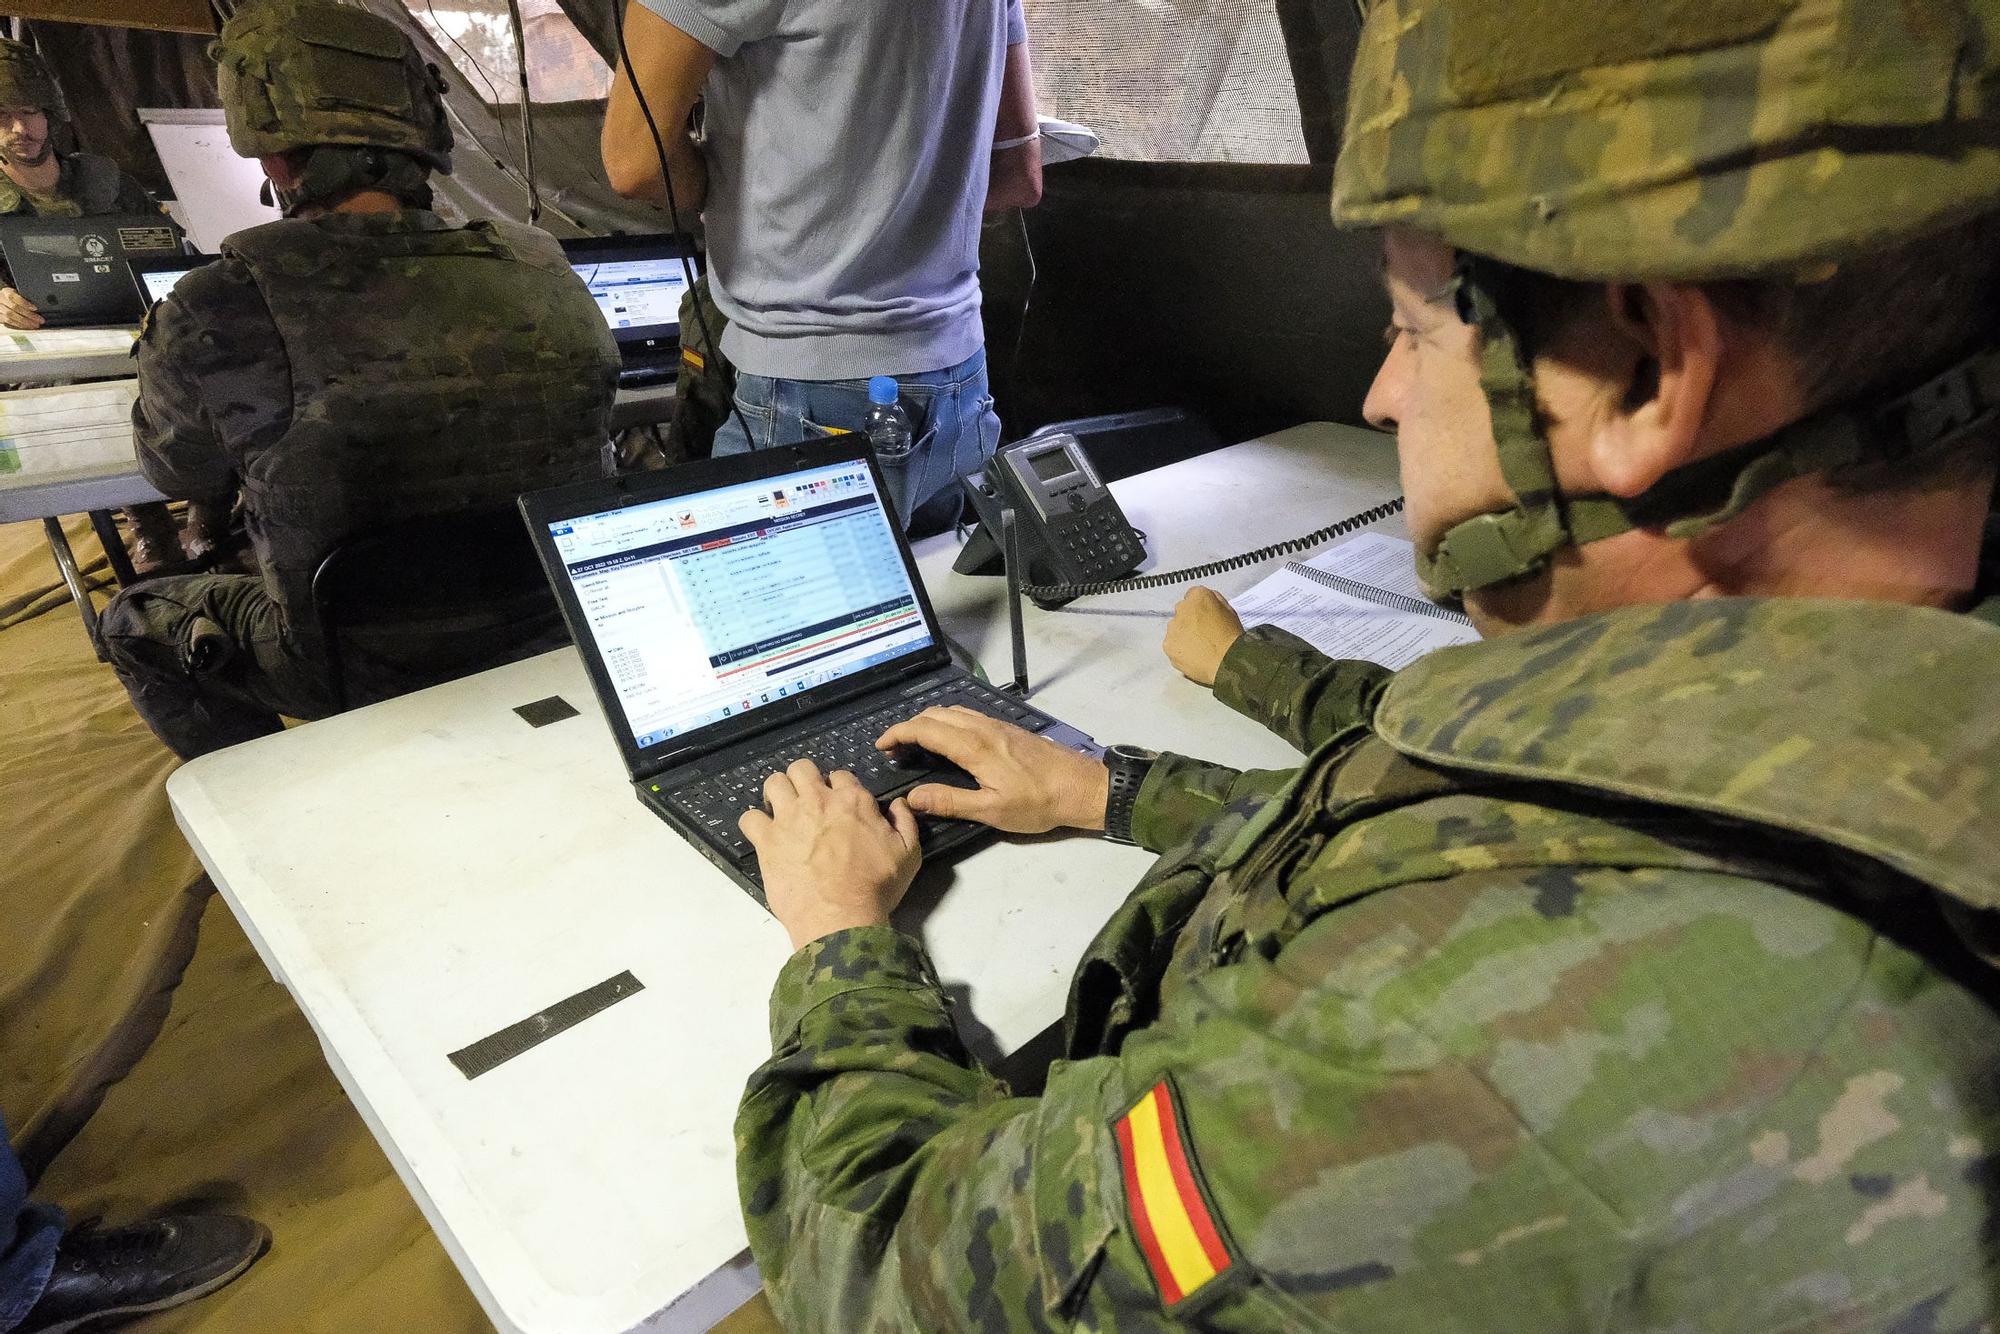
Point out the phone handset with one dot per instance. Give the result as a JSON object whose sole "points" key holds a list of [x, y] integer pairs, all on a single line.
{"points": [[1076, 541]]}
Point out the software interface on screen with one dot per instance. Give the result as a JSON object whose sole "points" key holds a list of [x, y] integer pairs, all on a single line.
{"points": [[636, 293], [159, 282], [709, 606]]}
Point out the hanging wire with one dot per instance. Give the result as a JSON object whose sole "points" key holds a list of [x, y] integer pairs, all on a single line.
{"points": [[470, 59], [527, 113]]}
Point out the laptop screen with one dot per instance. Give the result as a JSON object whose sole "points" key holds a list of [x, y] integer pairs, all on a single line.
{"points": [[640, 298], [708, 606], [159, 282]]}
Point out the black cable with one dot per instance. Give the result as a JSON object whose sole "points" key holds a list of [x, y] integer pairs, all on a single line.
{"points": [[527, 113], [673, 210], [1067, 592], [470, 59]]}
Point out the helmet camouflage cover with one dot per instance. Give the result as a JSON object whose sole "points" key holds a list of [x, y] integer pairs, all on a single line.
{"points": [[1691, 141], [300, 73], [1696, 140], [27, 81]]}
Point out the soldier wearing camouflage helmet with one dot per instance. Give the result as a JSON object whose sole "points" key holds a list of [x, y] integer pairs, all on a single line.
{"points": [[1631, 969], [359, 364], [37, 174]]}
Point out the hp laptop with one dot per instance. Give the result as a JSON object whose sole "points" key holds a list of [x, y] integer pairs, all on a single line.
{"points": [[75, 269], [155, 278], [638, 282], [741, 613]]}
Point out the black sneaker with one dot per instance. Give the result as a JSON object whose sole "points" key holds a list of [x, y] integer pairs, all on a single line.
{"points": [[123, 1271]]}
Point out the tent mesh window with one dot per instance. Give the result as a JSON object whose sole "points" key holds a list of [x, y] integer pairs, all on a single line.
{"points": [[478, 37], [1169, 80]]}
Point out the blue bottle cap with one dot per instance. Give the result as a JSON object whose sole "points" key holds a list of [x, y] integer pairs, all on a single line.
{"points": [[883, 389]]}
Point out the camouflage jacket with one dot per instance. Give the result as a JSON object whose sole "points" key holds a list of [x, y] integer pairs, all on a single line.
{"points": [[87, 185], [357, 370], [1591, 978]]}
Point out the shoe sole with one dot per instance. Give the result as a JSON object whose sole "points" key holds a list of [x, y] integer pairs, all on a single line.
{"points": [[165, 1303]]}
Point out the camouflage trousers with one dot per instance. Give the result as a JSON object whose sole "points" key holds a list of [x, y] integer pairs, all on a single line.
{"points": [[209, 661]]}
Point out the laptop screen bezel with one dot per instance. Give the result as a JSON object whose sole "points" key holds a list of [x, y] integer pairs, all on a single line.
{"points": [[543, 508], [640, 338]]}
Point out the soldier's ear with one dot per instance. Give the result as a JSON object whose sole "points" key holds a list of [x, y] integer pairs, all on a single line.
{"points": [[1663, 410]]}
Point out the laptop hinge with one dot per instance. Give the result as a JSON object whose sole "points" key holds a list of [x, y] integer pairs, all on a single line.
{"points": [[677, 759]]}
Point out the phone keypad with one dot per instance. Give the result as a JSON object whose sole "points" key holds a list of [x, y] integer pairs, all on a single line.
{"points": [[1100, 542]]}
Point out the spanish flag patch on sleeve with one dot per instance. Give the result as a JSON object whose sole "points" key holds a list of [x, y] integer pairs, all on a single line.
{"points": [[1171, 1218]]}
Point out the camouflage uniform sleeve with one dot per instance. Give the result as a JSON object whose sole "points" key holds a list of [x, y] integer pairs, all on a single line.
{"points": [[212, 380], [1181, 795], [1483, 1105], [1281, 681], [888, 1183]]}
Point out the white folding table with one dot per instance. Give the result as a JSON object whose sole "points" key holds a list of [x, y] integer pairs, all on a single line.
{"points": [[429, 871]]}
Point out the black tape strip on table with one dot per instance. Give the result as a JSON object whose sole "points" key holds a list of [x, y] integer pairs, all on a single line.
{"points": [[545, 711], [502, 1047]]}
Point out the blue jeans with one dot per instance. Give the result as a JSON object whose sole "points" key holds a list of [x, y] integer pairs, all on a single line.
{"points": [[951, 411], [28, 1236]]}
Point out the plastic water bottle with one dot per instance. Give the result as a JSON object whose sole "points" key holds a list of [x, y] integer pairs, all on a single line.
{"points": [[887, 426]]}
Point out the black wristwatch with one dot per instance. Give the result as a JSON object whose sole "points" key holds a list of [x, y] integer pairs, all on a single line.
{"points": [[1129, 766]]}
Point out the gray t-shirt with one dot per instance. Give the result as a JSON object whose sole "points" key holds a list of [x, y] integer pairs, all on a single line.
{"points": [[848, 145]]}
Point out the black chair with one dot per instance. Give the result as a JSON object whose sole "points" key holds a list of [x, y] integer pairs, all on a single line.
{"points": [[458, 593]]}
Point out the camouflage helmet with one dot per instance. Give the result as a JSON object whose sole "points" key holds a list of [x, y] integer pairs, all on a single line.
{"points": [[27, 81], [1695, 141], [301, 73], [1686, 141]]}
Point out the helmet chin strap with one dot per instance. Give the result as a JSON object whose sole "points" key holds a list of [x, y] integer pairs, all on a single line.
{"points": [[1938, 417]]}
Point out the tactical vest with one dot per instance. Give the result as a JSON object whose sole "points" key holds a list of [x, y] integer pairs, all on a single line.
{"points": [[92, 188], [431, 371], [1748, 737]]}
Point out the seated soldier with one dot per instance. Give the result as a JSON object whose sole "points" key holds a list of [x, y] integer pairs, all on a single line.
{"points": [[1627, 970], [356, 364], [37, 177]]}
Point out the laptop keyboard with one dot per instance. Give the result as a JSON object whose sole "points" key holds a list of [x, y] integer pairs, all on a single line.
{"points": [[717, 802]]}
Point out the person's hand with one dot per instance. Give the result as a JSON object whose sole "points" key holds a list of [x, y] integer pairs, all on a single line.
{"points": [[1201, 633], [17, 312], [830, 861], [1027, 784]]}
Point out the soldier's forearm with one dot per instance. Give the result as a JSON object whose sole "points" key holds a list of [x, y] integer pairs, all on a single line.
{"points": [[1181, 796], [1298, 692]]}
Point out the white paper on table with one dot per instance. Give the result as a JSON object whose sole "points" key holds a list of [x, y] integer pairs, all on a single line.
{"points": [[1344, 625], [63, 342], [67, 428]]}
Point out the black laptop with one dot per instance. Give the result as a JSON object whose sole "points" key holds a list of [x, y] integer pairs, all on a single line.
{"points": [[741, 613], [638, 282], [76, 270], [153, 279]]}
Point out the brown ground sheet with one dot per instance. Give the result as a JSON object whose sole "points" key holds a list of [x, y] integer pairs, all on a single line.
{"points": [[147, 1059]]}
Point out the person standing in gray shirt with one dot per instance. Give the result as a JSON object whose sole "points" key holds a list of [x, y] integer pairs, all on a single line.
{"points": [[848, 150]]}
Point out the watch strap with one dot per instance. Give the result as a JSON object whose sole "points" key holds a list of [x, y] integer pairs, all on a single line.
{"points": [[1128, 768]]}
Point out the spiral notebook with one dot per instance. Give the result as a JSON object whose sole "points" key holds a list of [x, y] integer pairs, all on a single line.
{"points": [[1359, 599]]}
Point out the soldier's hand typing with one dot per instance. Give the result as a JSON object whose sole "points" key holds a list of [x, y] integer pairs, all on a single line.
{"points": [[1201, 633], [1027, 784], [17, 312], [830, 860]]}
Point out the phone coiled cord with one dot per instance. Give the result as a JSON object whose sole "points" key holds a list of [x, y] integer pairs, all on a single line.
{"points": [[1067, 592]]}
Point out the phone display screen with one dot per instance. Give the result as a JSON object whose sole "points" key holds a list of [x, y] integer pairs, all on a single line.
{"points": [[1052, 464]]}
